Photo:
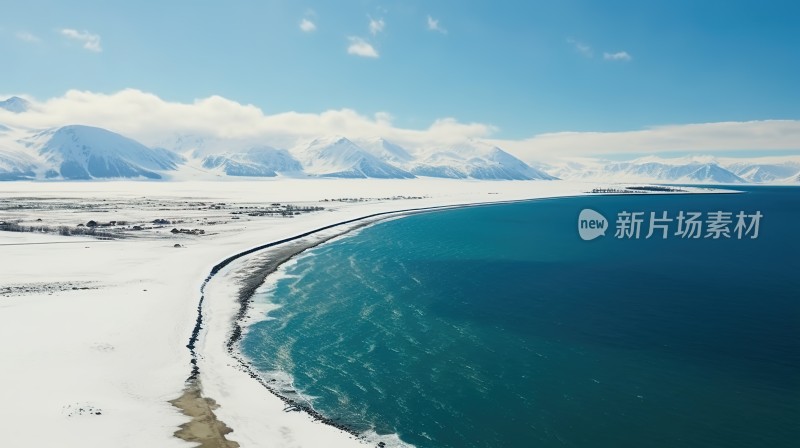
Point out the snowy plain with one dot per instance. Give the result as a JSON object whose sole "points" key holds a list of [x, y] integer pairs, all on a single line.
{"points": [[93, 332]]}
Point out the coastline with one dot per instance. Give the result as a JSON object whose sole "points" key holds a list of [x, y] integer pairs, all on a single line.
{"points": [[267, 259], [121, 351], [271, 256]]}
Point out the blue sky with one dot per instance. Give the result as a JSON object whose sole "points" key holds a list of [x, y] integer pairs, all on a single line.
{"points": [[524, 67]]}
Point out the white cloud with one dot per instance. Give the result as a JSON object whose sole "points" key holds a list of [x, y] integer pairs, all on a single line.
{"points": [[360, 47], [90, 41], [27, 37], [376, 26], [581, 47], [384, 118], [152, 120], [433, 25], [307, 26], [700, 137], [618, 56]]}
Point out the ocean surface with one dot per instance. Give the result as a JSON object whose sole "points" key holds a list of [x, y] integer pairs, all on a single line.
{"points": [[498, 326]]}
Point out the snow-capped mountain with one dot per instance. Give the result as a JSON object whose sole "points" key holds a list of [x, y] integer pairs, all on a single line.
{"points": [[386, 150], [476, 160], [16, 165], [768, 170], [15, 104], [691, 169], [85, 152], [16, 161], [691, 172], [696, 170], [506, 166], [261, 161], [340, 157]]}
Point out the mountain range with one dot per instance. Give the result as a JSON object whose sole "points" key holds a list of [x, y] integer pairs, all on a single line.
{"points": [[78, 152], [691, 170]]}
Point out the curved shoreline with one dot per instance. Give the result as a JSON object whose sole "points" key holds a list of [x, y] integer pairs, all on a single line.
{"points": [[256, 276], [402, 212], [192, 344], [252, 281]]}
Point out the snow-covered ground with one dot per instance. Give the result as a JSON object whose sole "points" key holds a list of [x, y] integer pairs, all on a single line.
{"points": [[93, 332]]}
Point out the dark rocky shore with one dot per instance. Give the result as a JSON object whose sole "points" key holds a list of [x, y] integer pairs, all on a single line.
{"points": [[254, 276]]}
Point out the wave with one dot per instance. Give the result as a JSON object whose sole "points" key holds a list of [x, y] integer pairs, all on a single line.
{"points": [[261, 304], [388, 440]]}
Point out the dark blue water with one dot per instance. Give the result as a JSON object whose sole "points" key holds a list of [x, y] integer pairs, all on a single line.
{"points": [[498, 326]]}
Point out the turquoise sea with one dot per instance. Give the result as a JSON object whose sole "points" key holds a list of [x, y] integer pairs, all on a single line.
{"points": [[497, 326]]}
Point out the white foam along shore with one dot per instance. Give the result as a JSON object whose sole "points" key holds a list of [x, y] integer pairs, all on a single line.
{"points": [[93, 332]]}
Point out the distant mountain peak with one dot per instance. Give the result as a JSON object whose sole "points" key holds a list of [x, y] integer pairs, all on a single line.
{"points": [[386, 150], [15, 104], [699, 169], [258, 161], [477, 159], [340, 157], [330, 141], [86, 152], [697, 159]]}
